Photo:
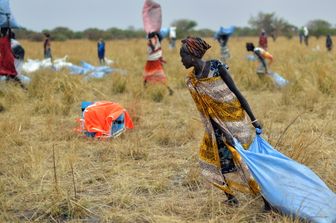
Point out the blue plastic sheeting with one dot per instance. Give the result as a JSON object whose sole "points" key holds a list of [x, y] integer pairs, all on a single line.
{"points": [[85, 104], [5, 9], [90, 70], [74, 69], [225, 31], [87, 66], [278, 79], [118, 126], [288, 186]]}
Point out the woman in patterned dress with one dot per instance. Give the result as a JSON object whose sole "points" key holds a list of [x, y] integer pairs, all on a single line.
{"points": [[224, 112]]}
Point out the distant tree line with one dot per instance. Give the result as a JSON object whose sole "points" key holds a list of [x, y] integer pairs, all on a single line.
{"points": [[272, 24]]}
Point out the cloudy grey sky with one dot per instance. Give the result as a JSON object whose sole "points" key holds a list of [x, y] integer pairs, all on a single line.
{"points": [[81, 14]]}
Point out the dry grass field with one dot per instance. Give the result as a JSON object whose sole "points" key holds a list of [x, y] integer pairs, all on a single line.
{"points": [[49, 173]]}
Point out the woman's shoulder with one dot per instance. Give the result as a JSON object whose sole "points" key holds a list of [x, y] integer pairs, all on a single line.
{"points": [[215, 65]]}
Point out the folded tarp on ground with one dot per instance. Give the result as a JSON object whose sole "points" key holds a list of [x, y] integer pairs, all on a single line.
{"points": [[6, 13], [287, 185]]}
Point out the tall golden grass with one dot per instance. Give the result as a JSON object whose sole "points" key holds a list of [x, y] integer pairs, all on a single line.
{"points": [[49, 173]]}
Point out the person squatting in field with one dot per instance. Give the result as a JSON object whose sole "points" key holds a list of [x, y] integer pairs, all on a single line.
{"points": [[262, 55], [224, 112]]}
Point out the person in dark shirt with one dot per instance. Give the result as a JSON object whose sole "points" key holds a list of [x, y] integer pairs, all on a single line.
{"points": [[47, 46], [329, 43]]}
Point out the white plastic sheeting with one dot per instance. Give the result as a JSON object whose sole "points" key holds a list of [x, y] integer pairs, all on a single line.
{"points": [[84, 68]]}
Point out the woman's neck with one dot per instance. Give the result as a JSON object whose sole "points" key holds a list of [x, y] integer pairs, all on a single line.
{"points": [[199, 67]]}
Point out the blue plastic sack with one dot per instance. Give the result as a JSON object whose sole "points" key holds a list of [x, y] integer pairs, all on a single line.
{"points": [[288, 186], [278, 79], [225, 31], [4, 11], [164, 32]]}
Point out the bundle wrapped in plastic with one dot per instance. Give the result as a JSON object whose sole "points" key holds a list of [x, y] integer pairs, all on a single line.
{"points": [[152, 16], [164, 32], [225, 31], [279, 80], [287, 185], [6, 17]]}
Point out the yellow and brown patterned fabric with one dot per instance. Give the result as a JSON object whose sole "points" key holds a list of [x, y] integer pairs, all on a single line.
{"points": [[215, 101]]}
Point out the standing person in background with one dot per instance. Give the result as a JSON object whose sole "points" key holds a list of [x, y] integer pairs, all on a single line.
{"points": [[222, 36], [172, 37], [263, 43], [306, 35], [47, 46], [329, 43], [224, 50], [101, 51], [301, 35]]}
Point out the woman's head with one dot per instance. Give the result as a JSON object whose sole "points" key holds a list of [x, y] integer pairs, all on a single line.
{"points": [[153, 34], [192, 48], [250, 46]]}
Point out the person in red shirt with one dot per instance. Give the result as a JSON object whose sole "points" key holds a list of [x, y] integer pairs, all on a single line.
{"points": [[263, 40]]}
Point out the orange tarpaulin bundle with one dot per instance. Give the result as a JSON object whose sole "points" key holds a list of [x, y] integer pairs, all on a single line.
{"points": [[105, 119]]}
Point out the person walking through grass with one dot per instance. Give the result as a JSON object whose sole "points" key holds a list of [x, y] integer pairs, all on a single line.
{"points": [[329, 43], [154, 72], [47, 46], [224, 112], [101, 51]]}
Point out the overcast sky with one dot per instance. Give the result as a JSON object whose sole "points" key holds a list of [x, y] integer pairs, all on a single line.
{"points": [[81, 14]]}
